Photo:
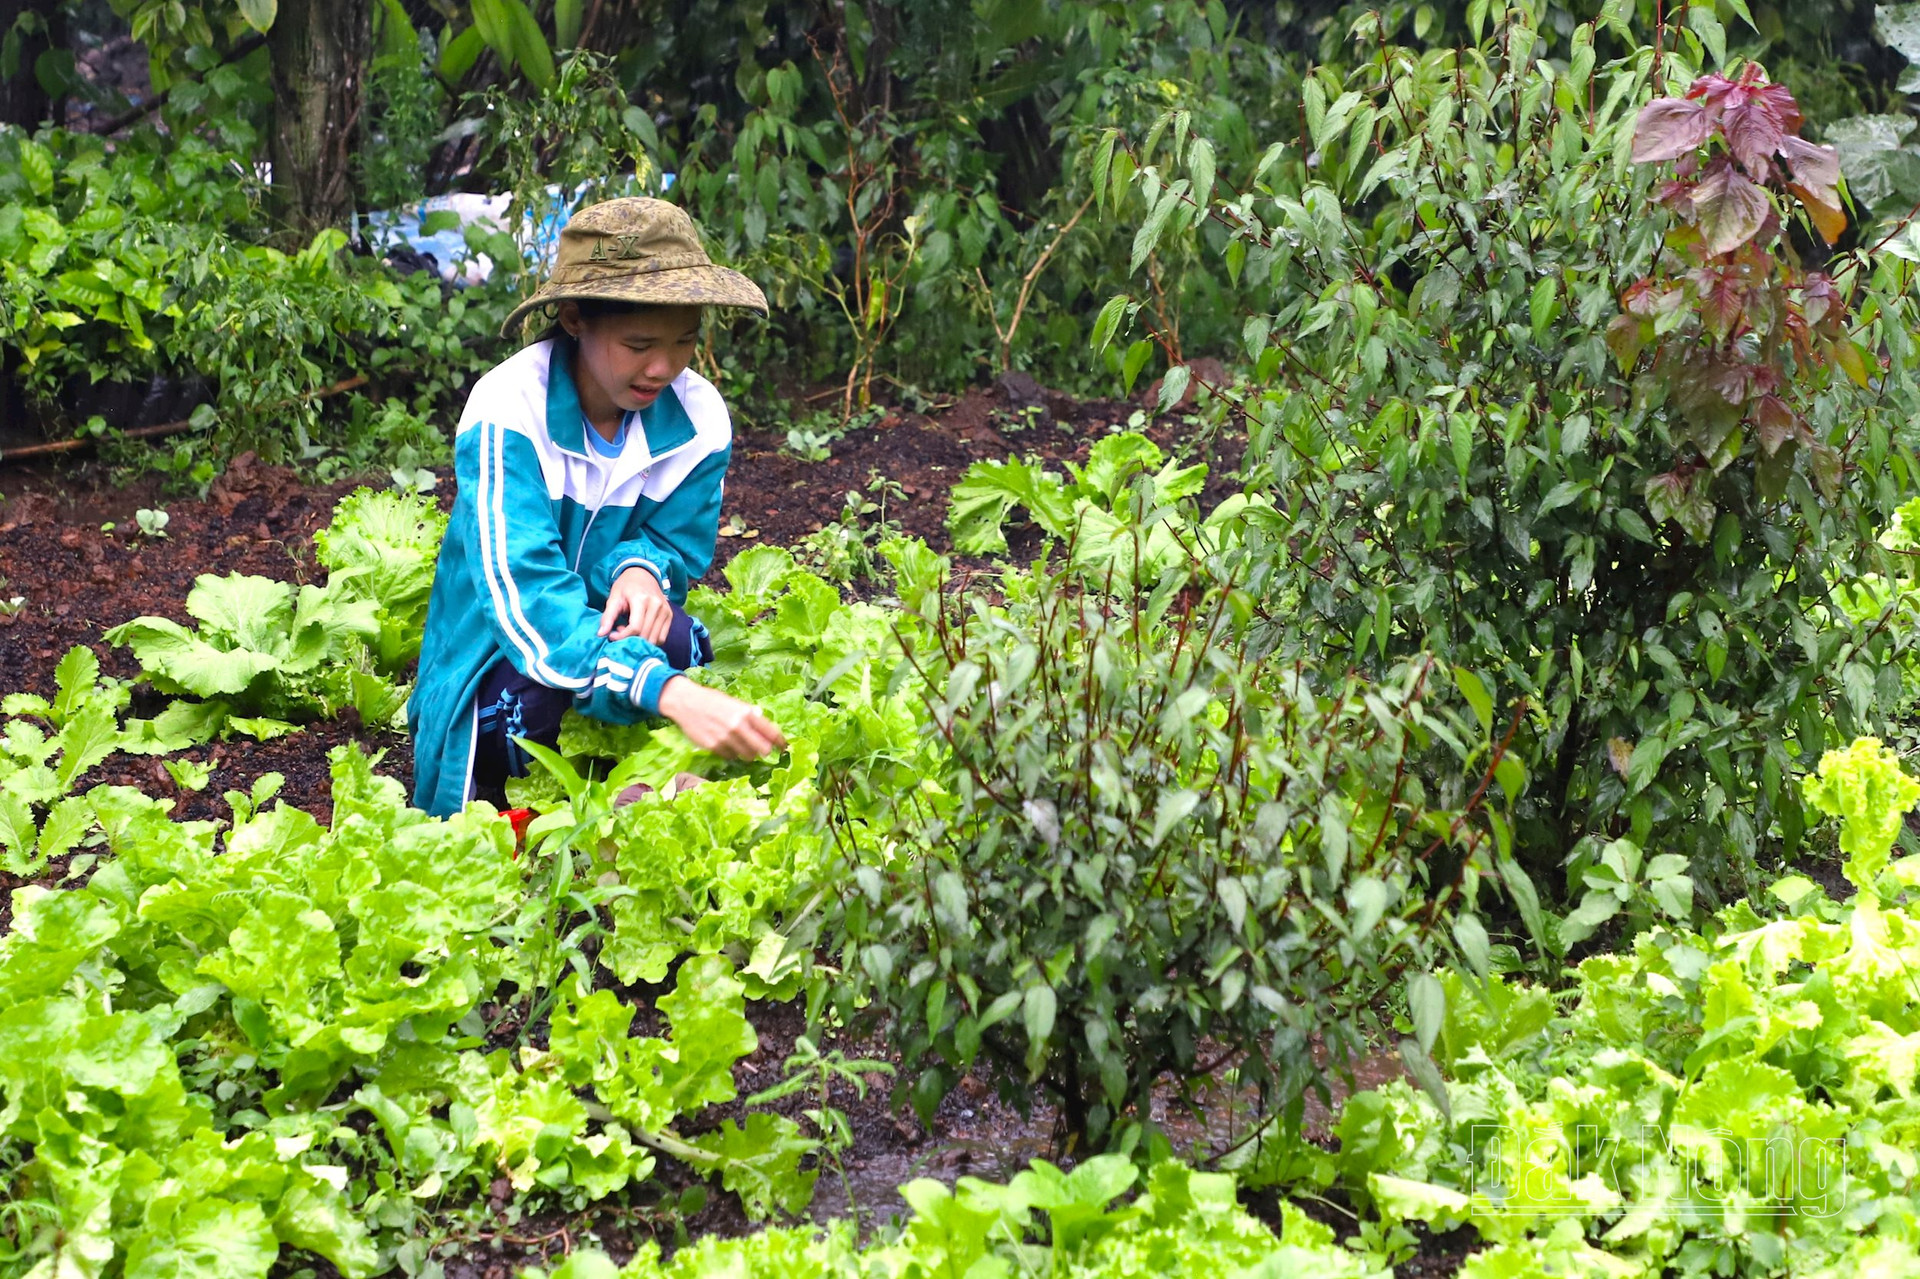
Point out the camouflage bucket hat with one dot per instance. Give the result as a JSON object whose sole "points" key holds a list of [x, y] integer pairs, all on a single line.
{"points": [[637, 250]]}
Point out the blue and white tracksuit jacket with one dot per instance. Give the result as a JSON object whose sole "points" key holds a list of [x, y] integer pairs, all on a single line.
{"points": [[542, 525]]}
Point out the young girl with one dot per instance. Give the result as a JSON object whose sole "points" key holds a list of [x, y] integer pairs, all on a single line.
{"points": [[590, 467]]}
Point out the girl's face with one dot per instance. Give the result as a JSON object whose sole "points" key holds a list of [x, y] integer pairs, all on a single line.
{"points": [[629, 359]]}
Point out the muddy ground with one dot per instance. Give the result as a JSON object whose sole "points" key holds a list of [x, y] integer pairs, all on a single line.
{"points": [[78, 578]]}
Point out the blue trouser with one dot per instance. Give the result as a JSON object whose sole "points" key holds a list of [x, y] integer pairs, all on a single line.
{"points": [[511, 705]]}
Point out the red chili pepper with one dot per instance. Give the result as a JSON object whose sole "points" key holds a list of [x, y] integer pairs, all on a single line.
{"points": [[519, 817]]}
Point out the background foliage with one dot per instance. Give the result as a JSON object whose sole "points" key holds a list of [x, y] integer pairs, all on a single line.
{"points": [[1528, 397], [910, 182]]}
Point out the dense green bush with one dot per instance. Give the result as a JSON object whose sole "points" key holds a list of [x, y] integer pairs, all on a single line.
{"points": [[910, 182], [151, 262], [1128, 841], [1630, 523]]}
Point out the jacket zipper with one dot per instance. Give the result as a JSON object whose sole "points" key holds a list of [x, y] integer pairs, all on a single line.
{"points": [[606, 481], [605, 467]]}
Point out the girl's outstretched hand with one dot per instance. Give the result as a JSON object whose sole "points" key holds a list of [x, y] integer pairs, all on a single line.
{"points": [[717, 722]]}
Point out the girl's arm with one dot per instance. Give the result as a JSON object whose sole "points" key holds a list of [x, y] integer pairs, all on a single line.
{"points": [[533, 600], [676, 542]]}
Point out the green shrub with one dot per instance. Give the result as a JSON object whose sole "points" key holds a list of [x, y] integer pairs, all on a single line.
{"points": [[1587, 426], [405, 108], [155, 262], [1127, 838]]}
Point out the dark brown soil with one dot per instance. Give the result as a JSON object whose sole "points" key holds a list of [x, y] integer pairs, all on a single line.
{"points": [[78, 579]]}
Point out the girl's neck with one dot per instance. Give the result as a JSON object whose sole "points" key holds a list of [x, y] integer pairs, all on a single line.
{"points": [[600, 410]]}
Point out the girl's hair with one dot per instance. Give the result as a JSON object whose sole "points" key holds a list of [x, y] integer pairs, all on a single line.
{"points": [[595, 308]]}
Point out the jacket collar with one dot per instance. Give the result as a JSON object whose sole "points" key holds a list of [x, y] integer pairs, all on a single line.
{"points": [[566, 424], [664, 422]]}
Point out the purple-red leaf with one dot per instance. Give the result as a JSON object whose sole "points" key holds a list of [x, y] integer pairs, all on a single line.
{"points": [[1819, 297], [1778, 101], [1682, 499], [1723, 300], [1717, 93], [1728, 209], [1753, 135], [1776, 423], [1669, 128], [1732, 380], [1813, 166]]}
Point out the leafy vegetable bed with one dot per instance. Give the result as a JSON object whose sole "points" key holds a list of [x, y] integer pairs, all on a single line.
{"points": [[84, 568], [250, 1030]]}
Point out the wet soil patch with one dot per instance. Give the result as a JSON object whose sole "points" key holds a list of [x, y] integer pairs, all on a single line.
{"points": [[72, 552]]}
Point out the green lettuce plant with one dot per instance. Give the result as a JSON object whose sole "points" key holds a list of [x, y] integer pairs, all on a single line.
{"points": [[380, 546], [1867, 790], [41, 772], [1127, 500], [267, 652], [270, 1040], [1072, 1225], [38, 768], [747, 878], [1730, 1099]]}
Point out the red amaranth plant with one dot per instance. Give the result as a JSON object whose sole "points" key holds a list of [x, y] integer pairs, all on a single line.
{"points": [[1738, 330]]}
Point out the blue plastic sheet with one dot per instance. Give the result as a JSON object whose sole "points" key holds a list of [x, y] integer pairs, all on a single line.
{"points": [[539, 229]]}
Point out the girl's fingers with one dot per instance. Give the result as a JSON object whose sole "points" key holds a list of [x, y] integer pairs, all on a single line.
{"points": [[617, 606], [648, 615], [755, 736]]}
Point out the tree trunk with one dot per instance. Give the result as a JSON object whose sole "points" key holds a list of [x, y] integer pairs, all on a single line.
{"points": [[320, 50], [23, 101]]}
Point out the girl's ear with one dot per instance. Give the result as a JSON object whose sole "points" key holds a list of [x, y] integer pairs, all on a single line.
{"points": [[570, 318]]}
